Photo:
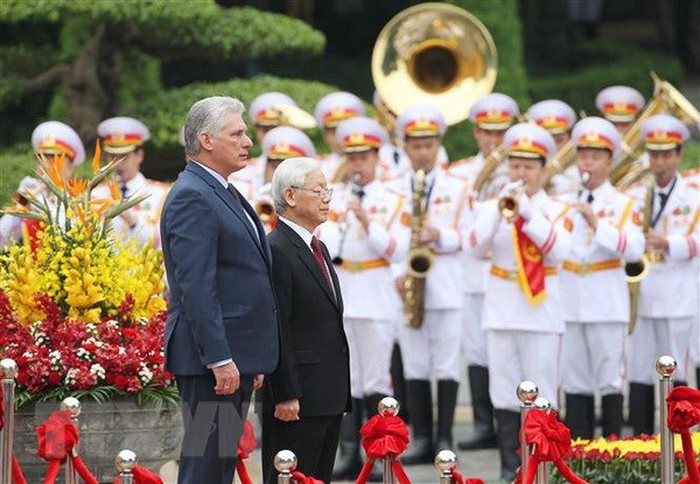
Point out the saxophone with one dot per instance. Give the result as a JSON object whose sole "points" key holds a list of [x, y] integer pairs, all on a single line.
{"points": [[420, 259], [636, 271]]}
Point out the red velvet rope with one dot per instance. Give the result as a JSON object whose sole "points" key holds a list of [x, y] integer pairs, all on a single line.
{"points": [[300, 478], [683, 413], [246, 445], [142, 476], [57, 437], [552, 441], [382, 437], [17, 476]]}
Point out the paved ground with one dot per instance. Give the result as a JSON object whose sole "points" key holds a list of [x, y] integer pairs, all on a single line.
{"points": [[483, 464]]}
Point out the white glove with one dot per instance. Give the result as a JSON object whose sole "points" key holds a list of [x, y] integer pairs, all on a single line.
{"points": [[510, 189], [524, 206]]}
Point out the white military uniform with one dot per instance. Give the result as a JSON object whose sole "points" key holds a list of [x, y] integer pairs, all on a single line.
{"points": [[596, 299], [525, 334], [372, 304], [48, 138], [330, 110], [668, 305], [433, 349]]}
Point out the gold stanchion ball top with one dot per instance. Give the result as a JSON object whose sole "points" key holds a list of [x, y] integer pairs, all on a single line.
{"points": [[126, 460], [666, 365], [527, 391], [285, 461], [446, 460], [9, 369], [388, 406], [72, 404]]}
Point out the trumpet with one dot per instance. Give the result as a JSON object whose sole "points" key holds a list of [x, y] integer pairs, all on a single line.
{"points": [[265, 210], [508, 204]]}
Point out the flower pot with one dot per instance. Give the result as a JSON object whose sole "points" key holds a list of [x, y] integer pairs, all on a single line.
{"points": [[154, 431]]}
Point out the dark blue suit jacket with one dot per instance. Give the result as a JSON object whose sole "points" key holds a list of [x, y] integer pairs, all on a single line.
{"points": [[222, 301]]}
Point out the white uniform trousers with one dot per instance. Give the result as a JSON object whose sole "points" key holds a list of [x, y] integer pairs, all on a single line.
{"points": [[594, 358], [432, 351], [522, 355], [371, 342], [474, 340], [654, 337]]}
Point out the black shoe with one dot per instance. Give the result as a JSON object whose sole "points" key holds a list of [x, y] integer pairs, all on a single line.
{"points": [[580, 415], [447, 401], [508, 430], [420, 451], [483, 436], [612, 414], [642, 408], [348, 462]]}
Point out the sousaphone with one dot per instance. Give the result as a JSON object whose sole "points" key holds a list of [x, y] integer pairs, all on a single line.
{"points": [[434, 54]]}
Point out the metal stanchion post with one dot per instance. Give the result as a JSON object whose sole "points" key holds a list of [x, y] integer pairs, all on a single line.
{"points": [[527, 394], [126, 460], [388, 406], [8, 368], [72, 404], [285, 463], [445, 462], [665, 366], [542, 404]]}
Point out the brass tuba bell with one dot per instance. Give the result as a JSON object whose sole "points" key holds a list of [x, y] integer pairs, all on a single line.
{"points": [[434, 54]]}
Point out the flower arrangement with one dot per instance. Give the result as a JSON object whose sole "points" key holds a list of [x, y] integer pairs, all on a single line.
{"points": [[82, 311], [630, 460]]}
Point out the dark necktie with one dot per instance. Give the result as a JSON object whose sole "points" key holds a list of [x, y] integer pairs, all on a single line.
{"points": [[359, 193], [124, 190], [589, 199], [318, 255], [664, 198], [232, 190]]}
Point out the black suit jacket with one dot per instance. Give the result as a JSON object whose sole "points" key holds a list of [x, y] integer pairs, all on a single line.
{"points": [[314, 363]]}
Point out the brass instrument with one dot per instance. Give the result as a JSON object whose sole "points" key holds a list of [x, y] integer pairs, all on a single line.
{"points": [[266, 211], [434, 54], [559, 163], [293, 116], [420, 259], [491, 164], [666, 98], [508, 204], [636, 271]]}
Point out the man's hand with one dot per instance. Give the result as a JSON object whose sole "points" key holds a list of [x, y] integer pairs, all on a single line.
{"points": [[355, 206], [587, 211], [228, 379], [287, 411], [400, 283], [656, 242], [258, 381]]}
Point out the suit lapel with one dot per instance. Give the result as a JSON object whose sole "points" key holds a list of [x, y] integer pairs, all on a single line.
{"points": [[307, 257], [338, 299]]}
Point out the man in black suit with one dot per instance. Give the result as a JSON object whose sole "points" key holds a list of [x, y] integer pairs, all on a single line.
{"points": [[222, 332], [304, 400]]}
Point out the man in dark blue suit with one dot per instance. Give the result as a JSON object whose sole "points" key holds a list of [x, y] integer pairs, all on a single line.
{"points": [[222, 332]]}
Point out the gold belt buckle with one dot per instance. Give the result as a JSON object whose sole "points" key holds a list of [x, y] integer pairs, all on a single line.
{"points": [[584, 269], [512, 276], [354, 267]]}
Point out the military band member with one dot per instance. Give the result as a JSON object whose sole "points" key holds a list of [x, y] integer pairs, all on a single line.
{"points": [[124, 137], [330, 110], [431, 350], [558, 118], [620, 105], [668, 301], [279, 144], [596, 300], [527, 234], [365, 235], [49, 139], [491, 116]]}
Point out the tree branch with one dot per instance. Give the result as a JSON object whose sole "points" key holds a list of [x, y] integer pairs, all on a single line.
{"points": [[48, 79]]}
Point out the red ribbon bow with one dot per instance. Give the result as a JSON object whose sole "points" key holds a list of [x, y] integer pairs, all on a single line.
{"points": [[142, 476], [58, 437], [552, 441], [246, 446], [683, 413], [384, 437], [17, 476]]}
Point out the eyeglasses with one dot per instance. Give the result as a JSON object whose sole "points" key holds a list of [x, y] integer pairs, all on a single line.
{"points": [[320, 192]]}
